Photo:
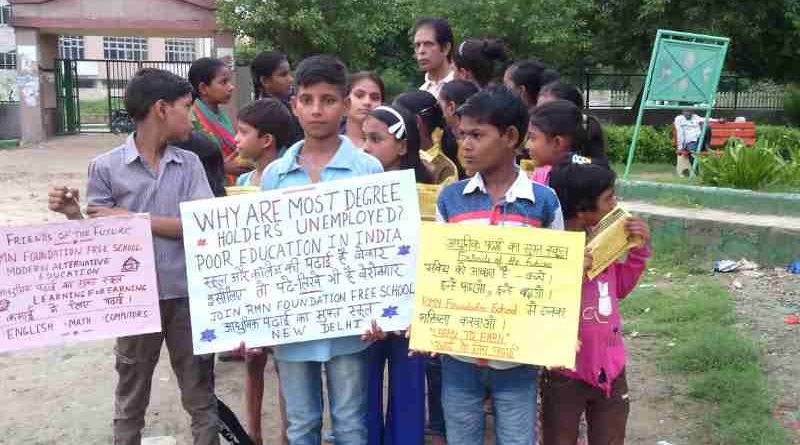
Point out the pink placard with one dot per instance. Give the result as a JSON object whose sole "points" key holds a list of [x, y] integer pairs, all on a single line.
{"points": [[76, 281]]}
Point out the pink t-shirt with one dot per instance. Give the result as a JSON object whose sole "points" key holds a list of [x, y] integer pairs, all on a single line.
{"points": [[542, 174], [602, 351]]}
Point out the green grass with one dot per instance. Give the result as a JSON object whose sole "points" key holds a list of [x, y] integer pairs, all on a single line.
{"points": [[722, 364], [653, 172], [98, 107], [665, 173]]}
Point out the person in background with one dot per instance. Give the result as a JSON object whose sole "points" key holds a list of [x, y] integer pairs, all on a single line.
{"points": [[452, 96], [477, 60], [433, 49], [213, 87], [688, 128], [560, 90], [439, 148], [272, 77], [262, 127], [392, 137], [558, 133], [595, 144], [213, 163], [526, 78], [365, 91]]}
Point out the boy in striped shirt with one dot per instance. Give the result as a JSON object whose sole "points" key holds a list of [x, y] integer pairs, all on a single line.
{"points": [[493, 124]]}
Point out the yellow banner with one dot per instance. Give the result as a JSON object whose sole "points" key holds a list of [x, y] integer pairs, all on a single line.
{"points": [[498, 293]]}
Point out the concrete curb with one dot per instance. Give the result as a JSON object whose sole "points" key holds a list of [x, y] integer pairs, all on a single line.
{"points": [[743, 201], [693, 238]]}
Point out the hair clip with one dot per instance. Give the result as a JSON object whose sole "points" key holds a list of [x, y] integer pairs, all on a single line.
{"points": [[398, 129]]}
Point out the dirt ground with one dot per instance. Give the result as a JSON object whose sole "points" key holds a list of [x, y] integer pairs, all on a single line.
{"points": [[763, 301], [64, 395]]}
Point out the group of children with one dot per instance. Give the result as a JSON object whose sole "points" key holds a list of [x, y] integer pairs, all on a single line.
{"points": [[320, 126]]}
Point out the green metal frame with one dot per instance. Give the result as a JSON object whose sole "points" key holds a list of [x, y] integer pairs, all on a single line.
{"points": [[67, 97], [651, 99]]}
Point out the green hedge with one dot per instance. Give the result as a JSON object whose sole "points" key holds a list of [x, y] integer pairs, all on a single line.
{"points": [[655, 143], [791, 103], [654, 146]]}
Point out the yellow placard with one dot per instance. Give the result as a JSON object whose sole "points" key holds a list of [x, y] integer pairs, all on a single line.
{"points": [[499, 293], [428, 194], [610, 241], [241, 190]]}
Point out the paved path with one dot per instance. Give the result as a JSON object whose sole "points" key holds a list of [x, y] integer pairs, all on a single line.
{"points": [[784, 222]]}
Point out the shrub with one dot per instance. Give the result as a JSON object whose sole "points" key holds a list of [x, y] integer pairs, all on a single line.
{"points": [[395, 83], [655, 143], [790, 174], [654, 146], [742, 167], [791, 104], [785, 139]]}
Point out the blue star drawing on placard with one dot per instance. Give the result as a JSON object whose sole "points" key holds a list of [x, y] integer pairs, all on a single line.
{"points": [[208, 335], [389, 311], [405, 249]]}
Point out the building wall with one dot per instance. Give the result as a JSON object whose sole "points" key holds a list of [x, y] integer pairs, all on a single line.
{"points": [[119, 17], [156, 47]]}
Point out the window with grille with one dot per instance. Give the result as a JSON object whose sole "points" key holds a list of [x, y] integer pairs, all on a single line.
{"points": [[5, 15], [8, 61], [125, 48], [180, 50], [70, 47]]}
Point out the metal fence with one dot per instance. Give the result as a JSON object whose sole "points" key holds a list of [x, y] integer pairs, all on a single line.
{"points": [[90, 92], [619, 90]]}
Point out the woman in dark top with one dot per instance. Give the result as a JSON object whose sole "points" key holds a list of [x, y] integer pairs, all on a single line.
{"points": [[199, 144]]}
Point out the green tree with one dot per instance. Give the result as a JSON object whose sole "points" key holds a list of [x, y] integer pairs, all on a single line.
{"points": [[567, 34], [765, 36], [350, 29], [553, 31]]}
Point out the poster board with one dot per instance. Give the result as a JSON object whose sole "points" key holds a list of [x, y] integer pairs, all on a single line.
{"points": [[77, 281], [303, 263], [499, 293]]}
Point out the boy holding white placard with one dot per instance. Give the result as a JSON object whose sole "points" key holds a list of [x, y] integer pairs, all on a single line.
{"points": [[322, 156]]}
